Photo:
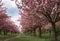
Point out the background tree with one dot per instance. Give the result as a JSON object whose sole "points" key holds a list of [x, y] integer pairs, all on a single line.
{"points": [[3, 15], [6, 24]]}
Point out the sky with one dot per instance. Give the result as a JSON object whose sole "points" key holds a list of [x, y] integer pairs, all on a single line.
{"points": [[12, 10]]}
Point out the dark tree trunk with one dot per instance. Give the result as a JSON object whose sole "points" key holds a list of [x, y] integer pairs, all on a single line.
{"points": [[34, 32], [54, 32], [5, 32], [0, 31], [40, 32], [11, 32]]}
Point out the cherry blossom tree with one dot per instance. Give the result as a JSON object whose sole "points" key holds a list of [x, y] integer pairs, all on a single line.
{"points": [[6, 24], [30, 21], [3, 15], [50, 9]]}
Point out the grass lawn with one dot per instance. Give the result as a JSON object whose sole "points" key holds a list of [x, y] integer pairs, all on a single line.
{"points": [[23, 37], [4, 37]]}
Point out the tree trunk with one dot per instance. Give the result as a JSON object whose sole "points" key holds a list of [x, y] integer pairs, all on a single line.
{"points": [[34, 32], [40, 32], [54, 32], [5, 32], [0, 31]]}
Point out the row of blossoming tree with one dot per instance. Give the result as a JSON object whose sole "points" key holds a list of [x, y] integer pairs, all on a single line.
{"points": [[6, 24], [36, 14]]}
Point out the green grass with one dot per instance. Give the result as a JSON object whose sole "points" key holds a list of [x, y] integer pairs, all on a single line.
{"points": [[26, 37], [23, 37], [3, 37]]}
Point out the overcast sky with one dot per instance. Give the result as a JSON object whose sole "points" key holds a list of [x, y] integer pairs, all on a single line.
{"points": [[12, 10]]}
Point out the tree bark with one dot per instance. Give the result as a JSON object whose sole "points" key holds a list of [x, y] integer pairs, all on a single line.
{"points": [[34, 32], [53, 32], [5, 32], [40, 32], [0, 31]]}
